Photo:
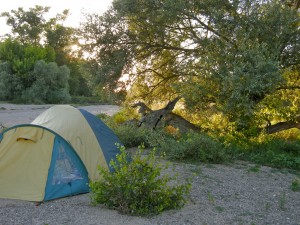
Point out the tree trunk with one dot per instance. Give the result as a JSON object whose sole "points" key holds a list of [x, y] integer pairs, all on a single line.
{"points": [[163, 117]]}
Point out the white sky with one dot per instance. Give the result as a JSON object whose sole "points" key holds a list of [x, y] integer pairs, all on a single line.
{"points": [[57, 6]]}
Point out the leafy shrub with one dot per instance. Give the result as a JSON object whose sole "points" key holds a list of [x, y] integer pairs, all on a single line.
{"points": [[10, 84], [270, 150], [190, 146], [132, 136], [289, 135], [279, 145], [50, 85], [137, 187], [127, 113], [104, 117], [295, 186], [263, 149], [194, 146], [275, 152]]}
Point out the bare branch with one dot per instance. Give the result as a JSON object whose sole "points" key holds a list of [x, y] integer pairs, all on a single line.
{"points": [[283, 126]]}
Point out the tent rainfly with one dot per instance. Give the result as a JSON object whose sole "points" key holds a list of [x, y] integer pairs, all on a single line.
{"points": [[55, 156]]}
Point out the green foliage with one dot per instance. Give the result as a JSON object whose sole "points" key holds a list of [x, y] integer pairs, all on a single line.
{"points": [[50, 85], [27, 25], [254, 169], [138, 186], [22, 58], [239, 59], [30, 26], [275, 152], [129, 134], [103, 117], [195, 147], [110, 61], [125, 114], [61, 38], [78, 82], [131, 137], [295, 186], [11, 85], [191, 146], [36, 38]]}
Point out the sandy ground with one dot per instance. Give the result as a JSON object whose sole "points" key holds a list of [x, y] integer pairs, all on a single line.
{"points": [[11, 114], [220, 194]]}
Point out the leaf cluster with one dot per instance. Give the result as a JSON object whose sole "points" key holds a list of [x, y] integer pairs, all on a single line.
{"points": [[138, 186]]}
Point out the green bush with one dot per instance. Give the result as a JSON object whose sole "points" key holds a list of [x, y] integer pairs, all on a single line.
{"points": [[50, 84], [275, 152], [129, 135], [191, 146], [295, 186], [10, 84], [196, 147], [269, 150], [127, 113], [132, 136], [278, 145], [137, 186]]}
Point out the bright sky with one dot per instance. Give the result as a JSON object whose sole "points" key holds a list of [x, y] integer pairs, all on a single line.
{"points": [[57, 6]]}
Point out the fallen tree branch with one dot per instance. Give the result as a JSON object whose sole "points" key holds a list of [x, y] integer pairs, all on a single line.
{"points": [[271, 129], [163, 117]]}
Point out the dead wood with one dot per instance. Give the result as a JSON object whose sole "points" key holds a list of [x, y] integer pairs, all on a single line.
{"points": [[163, 117], [271, 129]]}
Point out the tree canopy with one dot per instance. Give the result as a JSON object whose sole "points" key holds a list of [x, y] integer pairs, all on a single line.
{"points": [[236, 58], [31, 26]]}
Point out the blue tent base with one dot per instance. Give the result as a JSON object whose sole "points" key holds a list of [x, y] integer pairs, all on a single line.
{"points": [[67, 174]]}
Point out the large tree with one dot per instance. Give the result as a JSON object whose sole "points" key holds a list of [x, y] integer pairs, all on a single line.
{"points": [[237, 58]]}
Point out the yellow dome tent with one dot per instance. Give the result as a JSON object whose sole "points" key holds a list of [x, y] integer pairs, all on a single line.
{"points": [[54, 156]]}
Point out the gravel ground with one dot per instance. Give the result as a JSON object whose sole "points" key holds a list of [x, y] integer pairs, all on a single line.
{"points": [[239, 193], [220, 194]]}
